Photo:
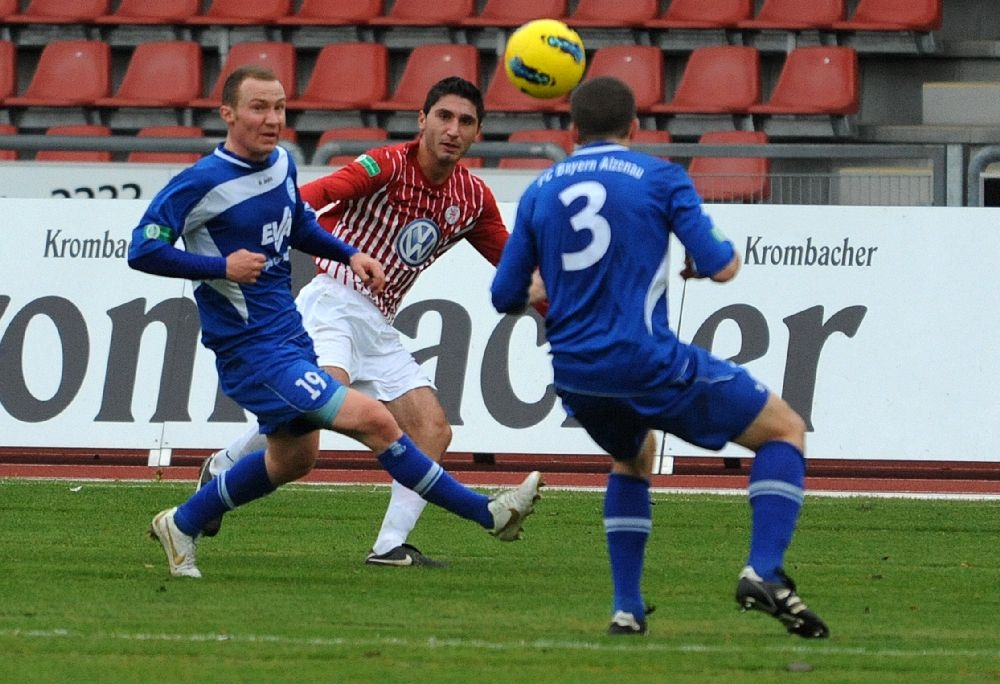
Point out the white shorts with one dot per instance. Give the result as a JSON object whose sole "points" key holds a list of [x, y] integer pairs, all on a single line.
{"points": [[349, 332]]}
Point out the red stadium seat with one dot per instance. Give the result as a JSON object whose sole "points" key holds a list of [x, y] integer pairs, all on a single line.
{"points": [[894, 15], [732, 179], [59, 12], [502, 96], [702, 14], [8, 69], [69, 73], [639, 66], [795, 15], [8, 7], [815, 80], [335, 81], [145, 12], [350, 133], [716, 79], [426, 13], [75, 155], [512, 13], [612, 13], [333, 13], [556, 136], [427, 65], [8, 155], [160, 74], [167, 157], [279, 57], [242, 13]]}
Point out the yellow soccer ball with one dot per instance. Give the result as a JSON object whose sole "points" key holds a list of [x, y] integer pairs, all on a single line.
{"points": [[545, 58]]}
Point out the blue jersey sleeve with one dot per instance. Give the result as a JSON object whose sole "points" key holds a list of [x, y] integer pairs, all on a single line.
{"points": [[512, 280], [708, 248], [152, 247], [312, 239], [152, 251]]}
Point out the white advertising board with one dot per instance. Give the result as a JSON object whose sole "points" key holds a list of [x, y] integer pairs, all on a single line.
{"points": [[877, 324]]}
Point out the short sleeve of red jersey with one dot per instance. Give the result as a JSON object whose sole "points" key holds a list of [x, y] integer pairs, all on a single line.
{"points": [[359, 178]]}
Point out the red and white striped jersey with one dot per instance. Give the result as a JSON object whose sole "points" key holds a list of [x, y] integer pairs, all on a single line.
{"points": [[385, 206]]}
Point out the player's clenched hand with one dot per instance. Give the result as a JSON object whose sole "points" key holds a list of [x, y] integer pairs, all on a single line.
{"points": [[244, 266], [370, 271]]}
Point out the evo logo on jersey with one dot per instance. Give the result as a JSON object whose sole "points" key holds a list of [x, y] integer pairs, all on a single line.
{"points": [[274, 233], [417, 241]]}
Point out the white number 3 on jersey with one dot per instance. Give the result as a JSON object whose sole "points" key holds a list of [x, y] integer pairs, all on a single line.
{"points": [[588, 218]]}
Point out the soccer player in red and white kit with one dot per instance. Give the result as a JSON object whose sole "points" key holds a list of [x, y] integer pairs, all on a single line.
{"points": [[405, 205]]}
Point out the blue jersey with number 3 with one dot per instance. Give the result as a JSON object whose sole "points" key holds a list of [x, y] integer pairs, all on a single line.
{"points": [[597, 224]]}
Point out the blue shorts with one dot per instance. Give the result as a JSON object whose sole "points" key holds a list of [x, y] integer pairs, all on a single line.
{"points": [[712, 403], [279, 384]]}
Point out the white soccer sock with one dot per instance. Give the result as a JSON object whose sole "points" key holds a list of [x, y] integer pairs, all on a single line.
{"points": [[405, 507], [247, 443]]}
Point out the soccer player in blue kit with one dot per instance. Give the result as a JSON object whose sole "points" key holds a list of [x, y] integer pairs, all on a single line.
{"points": [[598, 225], [239, 212]]}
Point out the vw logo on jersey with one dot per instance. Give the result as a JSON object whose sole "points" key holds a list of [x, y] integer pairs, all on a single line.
{"points": [[417, 241]]}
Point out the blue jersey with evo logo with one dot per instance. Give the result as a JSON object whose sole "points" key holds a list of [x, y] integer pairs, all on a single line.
{"points": [[219, 205], [598, 226]]}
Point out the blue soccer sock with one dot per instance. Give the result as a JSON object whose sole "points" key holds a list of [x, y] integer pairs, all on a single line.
{"points": [[777, 477], [409, 466], [628, 519], [246, 481]]}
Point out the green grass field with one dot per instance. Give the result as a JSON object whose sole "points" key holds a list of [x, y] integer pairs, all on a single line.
{"points": [[910, 589]]}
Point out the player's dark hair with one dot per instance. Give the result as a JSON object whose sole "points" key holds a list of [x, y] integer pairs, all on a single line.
{"points": [[455, 85], [602, 107], [231, 88]]}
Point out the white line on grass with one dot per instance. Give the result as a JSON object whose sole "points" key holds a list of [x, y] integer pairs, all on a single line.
{"points": [[937, 496], [543, 645]]}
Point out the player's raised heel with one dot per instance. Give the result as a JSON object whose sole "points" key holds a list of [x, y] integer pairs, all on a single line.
{"points": [[511, 507], [780, 601]]}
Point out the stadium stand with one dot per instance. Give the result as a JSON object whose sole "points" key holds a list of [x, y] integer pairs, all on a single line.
{"points": [[426, 13], [8, 69], [160, 74], [702, 14], [732, 179], [513, 13], [717, 79], [75, 155], [241, 13], [8, 129], [640, 66], [330, 13], [69, 73], [426, 65], [59, 12], [815, 80], [350, 75], [794, 15], [167, 157], [348, 133], [612, 13], [915, 18], [335, 95], [894, 15], [278, 56], [145, 12], [559, 137]]}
